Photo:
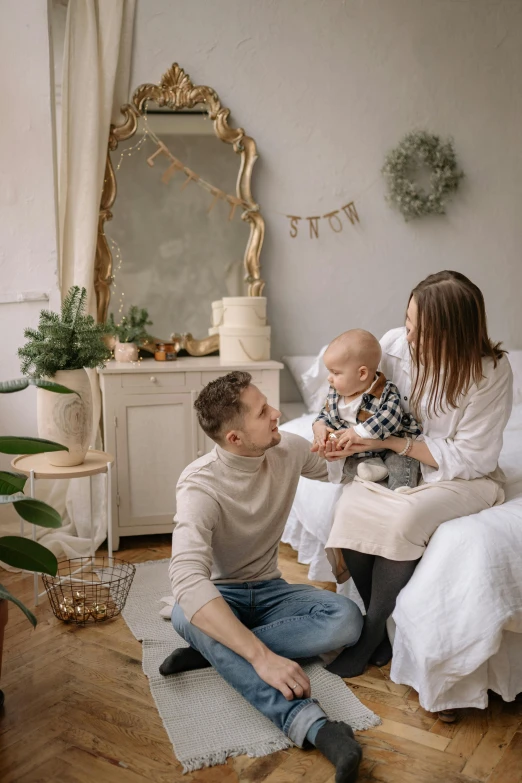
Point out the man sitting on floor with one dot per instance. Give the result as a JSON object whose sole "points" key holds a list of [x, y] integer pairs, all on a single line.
{"points": [[232, 606]]}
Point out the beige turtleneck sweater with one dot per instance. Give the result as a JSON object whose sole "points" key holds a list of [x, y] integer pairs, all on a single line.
{"points": [[231, 512]]}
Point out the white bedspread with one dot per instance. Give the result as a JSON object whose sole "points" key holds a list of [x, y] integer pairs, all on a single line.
{"points": [[459, 620]]}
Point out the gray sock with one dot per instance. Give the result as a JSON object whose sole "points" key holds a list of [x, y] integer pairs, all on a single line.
{"points": [[335, 740]]}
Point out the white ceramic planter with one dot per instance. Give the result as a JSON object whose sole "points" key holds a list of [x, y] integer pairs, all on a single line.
{"points": [[125, 352], [244, 311], [244, 345], [66, 418]]}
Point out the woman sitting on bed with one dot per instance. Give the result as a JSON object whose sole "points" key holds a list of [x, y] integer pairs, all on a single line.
{"points": [[458, 384]]}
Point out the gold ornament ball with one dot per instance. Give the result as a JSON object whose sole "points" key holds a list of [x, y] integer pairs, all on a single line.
{"points": [[78, 596], [99, 611], [66, 612], [81, 612]]}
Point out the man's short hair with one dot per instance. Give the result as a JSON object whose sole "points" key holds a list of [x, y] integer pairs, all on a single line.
{"points": [[219, 404]]}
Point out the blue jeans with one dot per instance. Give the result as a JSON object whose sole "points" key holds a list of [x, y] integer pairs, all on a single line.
{"points": [[295, 621]]}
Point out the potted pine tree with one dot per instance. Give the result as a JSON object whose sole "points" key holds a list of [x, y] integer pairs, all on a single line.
{"points": [[61, 348], [129, 333], [17, 551]]}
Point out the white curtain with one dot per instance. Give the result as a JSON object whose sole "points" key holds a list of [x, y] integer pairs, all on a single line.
{"points": [[96, 73]]}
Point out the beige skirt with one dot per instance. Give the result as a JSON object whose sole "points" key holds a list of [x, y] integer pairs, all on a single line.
{"points": [[373, 519]]}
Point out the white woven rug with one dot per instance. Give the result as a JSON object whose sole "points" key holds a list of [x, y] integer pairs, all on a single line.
{"points": [[205, 718]]}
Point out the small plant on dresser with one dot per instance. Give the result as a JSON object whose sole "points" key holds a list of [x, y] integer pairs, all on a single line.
{"points": [[129, 333]]}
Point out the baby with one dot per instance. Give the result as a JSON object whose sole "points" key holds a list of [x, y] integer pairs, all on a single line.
{"points": [[361, 403]]}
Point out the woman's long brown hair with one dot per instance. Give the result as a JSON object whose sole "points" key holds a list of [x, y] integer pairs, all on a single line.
{"points": [[452, 340]]}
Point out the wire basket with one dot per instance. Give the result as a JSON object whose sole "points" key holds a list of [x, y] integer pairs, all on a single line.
{"points": [[89, 589]]}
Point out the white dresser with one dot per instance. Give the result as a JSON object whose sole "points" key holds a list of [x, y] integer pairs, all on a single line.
{"points": [[150, 425]]}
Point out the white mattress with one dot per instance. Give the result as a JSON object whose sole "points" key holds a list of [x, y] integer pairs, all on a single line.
{"points": [[459, 620]]}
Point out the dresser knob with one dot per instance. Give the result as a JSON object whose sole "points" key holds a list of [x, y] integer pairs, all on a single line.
{"points": [[199, 453], [153, 379]]}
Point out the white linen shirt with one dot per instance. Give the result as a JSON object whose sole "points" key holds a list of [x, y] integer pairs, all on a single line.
{"points": [[465, 441]]}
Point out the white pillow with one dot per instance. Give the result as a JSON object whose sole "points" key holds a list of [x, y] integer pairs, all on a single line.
{"points": [[310, 376]]}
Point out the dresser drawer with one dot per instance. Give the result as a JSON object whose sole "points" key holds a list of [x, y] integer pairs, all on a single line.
{"points": [[150, 381]]}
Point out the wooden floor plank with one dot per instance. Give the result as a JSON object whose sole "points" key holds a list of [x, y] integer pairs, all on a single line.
{"points": [[90, 768], [419, 736], [381, 697], [407, 754], [490, 750], [375, 680], [474, 726], [414, 718], [140, 755], [33, 760], [50, 771], [509, 768]]}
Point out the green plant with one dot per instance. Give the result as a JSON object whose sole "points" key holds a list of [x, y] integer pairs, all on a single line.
{"points": [[131, 328], [15, 550], [67, 341]]}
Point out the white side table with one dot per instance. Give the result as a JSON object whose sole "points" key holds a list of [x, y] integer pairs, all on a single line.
{"points": [[36, 466]]}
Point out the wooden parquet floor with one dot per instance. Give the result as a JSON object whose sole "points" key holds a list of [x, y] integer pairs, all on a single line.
{"points": [[78, 710]]}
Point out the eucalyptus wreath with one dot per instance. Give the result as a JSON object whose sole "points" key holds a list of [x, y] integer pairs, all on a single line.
{"points": [[416, 150]]}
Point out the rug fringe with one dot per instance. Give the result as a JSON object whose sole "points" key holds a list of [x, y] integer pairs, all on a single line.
{"points": [[220, 757]]}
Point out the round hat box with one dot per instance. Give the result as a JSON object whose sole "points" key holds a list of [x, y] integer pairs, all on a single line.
{"points": [[244, 311], [244, 345]]}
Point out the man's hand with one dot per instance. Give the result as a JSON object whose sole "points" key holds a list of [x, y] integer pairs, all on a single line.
{"points": [[283, 674], [321, 432]]}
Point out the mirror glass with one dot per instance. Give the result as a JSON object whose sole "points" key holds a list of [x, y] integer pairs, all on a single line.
{"points": [[175, 249]]}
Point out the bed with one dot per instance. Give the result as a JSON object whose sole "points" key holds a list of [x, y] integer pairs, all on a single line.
{"points": [[457, 626]]}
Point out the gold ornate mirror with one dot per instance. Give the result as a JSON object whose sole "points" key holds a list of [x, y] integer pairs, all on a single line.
{"points": [[167, 269]]}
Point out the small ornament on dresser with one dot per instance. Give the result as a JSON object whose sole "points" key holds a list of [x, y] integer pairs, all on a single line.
{"points": [[167, 352], [129, 333]]}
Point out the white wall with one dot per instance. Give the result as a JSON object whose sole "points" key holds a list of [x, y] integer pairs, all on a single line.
{"points": [[28, 249], [326, 88]]}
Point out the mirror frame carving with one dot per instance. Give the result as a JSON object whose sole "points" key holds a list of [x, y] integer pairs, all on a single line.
{"points": [[177, 91]]}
